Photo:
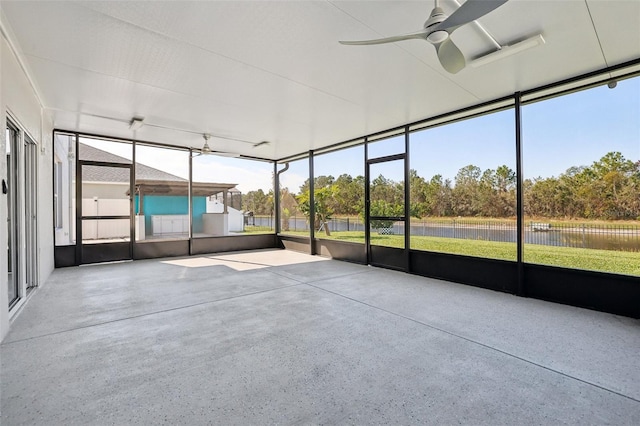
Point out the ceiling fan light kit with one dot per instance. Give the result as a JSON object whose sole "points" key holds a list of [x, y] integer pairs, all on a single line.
{"points": [[437, 37], [206, 149], [438, 28]]}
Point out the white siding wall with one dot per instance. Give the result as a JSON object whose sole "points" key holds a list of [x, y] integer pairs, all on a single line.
{"points": [[236, 218], [19, 100]]}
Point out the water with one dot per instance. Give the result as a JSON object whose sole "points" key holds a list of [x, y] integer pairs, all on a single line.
{"points": [[577, 236]]}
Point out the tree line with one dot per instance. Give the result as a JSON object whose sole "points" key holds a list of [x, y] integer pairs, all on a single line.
{"points": [[608, 189]]}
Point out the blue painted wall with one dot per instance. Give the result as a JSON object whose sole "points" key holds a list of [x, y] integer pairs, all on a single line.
{"points": [[172, 204]]}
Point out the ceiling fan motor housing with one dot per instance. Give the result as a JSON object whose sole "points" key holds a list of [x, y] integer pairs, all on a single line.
{"points": [[437, 16]]}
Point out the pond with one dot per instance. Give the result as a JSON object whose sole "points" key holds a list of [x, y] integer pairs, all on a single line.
{"points": [[603, 237]]}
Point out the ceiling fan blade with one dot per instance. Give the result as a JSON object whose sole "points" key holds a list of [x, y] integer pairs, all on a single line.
{"points": [[422, 34], [468, 12], [450, 56]]}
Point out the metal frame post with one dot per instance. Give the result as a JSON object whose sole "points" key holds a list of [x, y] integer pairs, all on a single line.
{"points": [[276, 198], [520, 289], [407, 202], [312, 206], [367, 202]]}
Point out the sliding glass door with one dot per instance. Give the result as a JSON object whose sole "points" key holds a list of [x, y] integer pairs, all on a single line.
{"points": [[10, 188]]}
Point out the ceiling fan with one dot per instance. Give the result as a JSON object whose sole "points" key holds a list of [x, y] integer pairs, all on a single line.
{"points": [[206, 149], [438, 29]]}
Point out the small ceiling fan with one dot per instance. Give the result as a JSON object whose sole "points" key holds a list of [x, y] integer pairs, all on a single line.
{"points": [[206, 149], [438, 29]]}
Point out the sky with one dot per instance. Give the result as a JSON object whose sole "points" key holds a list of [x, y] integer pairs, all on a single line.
{"points": [[567, 131], [559, 133]]}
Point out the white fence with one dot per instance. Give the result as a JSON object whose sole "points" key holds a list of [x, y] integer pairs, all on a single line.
{"points": [[105, 228]]}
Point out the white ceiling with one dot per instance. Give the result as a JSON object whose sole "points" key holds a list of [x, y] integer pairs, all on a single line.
{"points": [[273, 70]]}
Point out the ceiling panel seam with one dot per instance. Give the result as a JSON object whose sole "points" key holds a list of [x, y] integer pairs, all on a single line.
{"points": [[223, 56], [164, 89], [595, 31]]}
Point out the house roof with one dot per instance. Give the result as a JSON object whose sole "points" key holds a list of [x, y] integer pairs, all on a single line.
{"points": [[198, 189], [148, 179], [116, 174]]}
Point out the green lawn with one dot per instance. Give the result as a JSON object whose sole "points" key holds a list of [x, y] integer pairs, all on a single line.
{"points": [[250, 229], [620, 262]]}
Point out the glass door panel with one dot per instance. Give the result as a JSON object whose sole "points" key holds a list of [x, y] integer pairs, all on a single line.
{"points": [[30, 206], [386, 212], [386, 205], [10, 187]]}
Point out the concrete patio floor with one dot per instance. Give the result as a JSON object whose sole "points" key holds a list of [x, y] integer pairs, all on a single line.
{"points": [[278, 337]]}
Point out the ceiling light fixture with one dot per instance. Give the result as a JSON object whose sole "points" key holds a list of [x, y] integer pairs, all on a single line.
{"points": [[225, 154], [261, 144], [507, 51], [136, 123], [206, 149]]}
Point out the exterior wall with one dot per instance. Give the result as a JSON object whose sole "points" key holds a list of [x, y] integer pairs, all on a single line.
{"points": [[65, 234], [235, 219], [105, 190], [178, 205], [171, 205], [19, 101], [4, 294]]}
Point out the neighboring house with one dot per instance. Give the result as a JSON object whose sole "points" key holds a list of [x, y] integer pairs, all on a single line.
{"points": [[236, 217], [160, 202]]}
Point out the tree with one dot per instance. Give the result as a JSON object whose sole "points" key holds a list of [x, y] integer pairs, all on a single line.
{"points": [[438, 197], [608, 189], [322, 198], [387, 190], [383, 208], [258, 202], [351, 199], [288, 207], [465, 191], [318, 182], [613, 174], [505, 179], [419, 191]]}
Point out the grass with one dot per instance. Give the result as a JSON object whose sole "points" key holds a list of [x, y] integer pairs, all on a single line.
{"points": [[250, 229], [556, 223], [619, 262]]}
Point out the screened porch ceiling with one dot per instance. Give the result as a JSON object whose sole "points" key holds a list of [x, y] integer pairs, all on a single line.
{"points": [[248, 72]]}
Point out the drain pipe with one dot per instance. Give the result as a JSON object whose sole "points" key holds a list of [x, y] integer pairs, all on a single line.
{"points": [[276, 193]]}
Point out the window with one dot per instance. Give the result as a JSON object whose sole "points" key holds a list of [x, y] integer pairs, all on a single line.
{"points": [[64, 148], [231, 196], [106, 190], [161, 202], [293, 181], [339, 194], [582, 180], [463, 187], [57, 192]]}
